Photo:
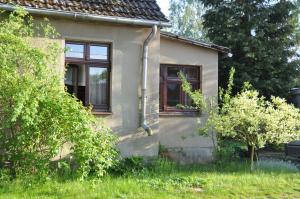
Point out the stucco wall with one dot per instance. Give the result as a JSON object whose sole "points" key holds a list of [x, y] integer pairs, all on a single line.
{"points": [[126, 43], [179, 135]]}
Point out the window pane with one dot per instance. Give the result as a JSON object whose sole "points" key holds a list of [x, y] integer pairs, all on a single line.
{"points": [[192, 73], [98, 86], [173, 98], [173, 72], [69, 76], [75, 80], [98, 52], [75, 50]]}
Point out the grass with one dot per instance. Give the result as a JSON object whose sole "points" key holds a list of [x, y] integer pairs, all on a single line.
{"points": [[167, 181]]}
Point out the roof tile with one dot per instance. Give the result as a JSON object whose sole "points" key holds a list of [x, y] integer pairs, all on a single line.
{"points": [[140, 9]]}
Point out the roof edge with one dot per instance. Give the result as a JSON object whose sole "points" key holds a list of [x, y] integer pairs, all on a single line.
{"points": [[211, 46], [88, 17]]}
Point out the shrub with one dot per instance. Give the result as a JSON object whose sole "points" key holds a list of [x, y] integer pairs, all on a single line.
{"points": [[229, 150], [130, 165], [276, 166], [37, 115], [248, 117]]}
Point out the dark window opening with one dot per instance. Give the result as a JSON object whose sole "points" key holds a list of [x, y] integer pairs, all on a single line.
{"points": [[88, 74], [171, 93]]}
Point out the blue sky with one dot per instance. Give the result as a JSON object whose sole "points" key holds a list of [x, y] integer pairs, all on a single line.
{"points": [[164, 5]]}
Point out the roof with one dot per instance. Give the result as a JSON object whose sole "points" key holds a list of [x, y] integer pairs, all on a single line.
{"points": [[131, 9], [195, 42]]}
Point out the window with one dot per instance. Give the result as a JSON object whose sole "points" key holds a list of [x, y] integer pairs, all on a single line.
{"points": [[171, 93], [88, 73]]}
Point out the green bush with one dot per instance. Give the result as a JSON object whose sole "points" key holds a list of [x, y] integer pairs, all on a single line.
{"points": [[248, 117], [37, 115], [127, 166], [229, 150]]}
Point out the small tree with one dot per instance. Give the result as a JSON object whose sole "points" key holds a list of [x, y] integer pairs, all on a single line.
{"points": [[251, 119], [37, 115]]}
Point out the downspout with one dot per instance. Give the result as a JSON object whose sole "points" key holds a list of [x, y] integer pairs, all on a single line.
{"points": [[144, 123]]}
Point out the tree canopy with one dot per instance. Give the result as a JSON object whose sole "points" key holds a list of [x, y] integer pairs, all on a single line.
{"points": [[262, 37], [186, 18]]}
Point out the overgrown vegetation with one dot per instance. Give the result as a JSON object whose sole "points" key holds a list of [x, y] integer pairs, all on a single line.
{"points": [[165, 180], [37, 116], [248, 117]]}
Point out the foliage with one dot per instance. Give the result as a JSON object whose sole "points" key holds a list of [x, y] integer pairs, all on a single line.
{"points": [[262, 37], [255, 121], [276, 165], [186, 18], [37, 116], [229, 150], [127, 166], [250, 118]]}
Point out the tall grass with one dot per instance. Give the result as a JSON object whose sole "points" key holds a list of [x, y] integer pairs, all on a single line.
{"points": [[166, 180]]}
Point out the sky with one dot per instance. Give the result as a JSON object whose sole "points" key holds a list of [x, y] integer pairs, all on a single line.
{"points": [[164, 5]]}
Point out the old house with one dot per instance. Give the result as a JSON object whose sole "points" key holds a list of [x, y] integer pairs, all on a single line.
{"points": [[120, 62]]}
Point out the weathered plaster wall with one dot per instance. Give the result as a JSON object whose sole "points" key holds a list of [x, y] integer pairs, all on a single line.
{"points": [[179, 134], [126, 43]]}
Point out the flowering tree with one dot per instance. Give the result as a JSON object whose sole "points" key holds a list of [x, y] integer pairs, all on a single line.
{"points": [[250, 118]]}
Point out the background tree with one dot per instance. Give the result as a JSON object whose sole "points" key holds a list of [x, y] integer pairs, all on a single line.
{"points": [[262, 37], [186, 18]]}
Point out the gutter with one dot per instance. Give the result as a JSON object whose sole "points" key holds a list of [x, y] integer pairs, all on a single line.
{"points": [[211, 46], [88, 17], [144, 123]]}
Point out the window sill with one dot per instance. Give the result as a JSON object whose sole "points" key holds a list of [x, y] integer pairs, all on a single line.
{"points": [[101, 113], [180, 114]]}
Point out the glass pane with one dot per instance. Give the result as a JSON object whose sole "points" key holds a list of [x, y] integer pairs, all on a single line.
{"points": [[98, 86], [75, 80], [173, 98], [173, 72], [81, 75], [98, 52], [69, 76], [192, 73], [75, 50]]}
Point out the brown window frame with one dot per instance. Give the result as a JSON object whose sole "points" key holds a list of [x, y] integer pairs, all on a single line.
{"points": [[165, 79], [88, 63]]}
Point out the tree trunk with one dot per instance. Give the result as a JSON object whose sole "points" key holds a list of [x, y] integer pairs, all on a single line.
{"points": [[252, 157]]}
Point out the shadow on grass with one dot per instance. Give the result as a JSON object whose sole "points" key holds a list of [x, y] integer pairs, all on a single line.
{"points": [[163, 167]]}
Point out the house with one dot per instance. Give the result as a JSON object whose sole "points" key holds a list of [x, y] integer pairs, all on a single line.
{"points": [[120, 62]]}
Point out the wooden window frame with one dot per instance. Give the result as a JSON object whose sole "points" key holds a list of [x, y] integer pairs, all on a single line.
{"points": [[87, 62], [164, 80]]}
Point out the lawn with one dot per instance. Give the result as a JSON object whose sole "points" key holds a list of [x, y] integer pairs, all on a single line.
{"points": [[231, 180]]}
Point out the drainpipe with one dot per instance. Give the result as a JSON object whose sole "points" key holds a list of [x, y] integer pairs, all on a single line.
{"points": [[144, 123]]}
